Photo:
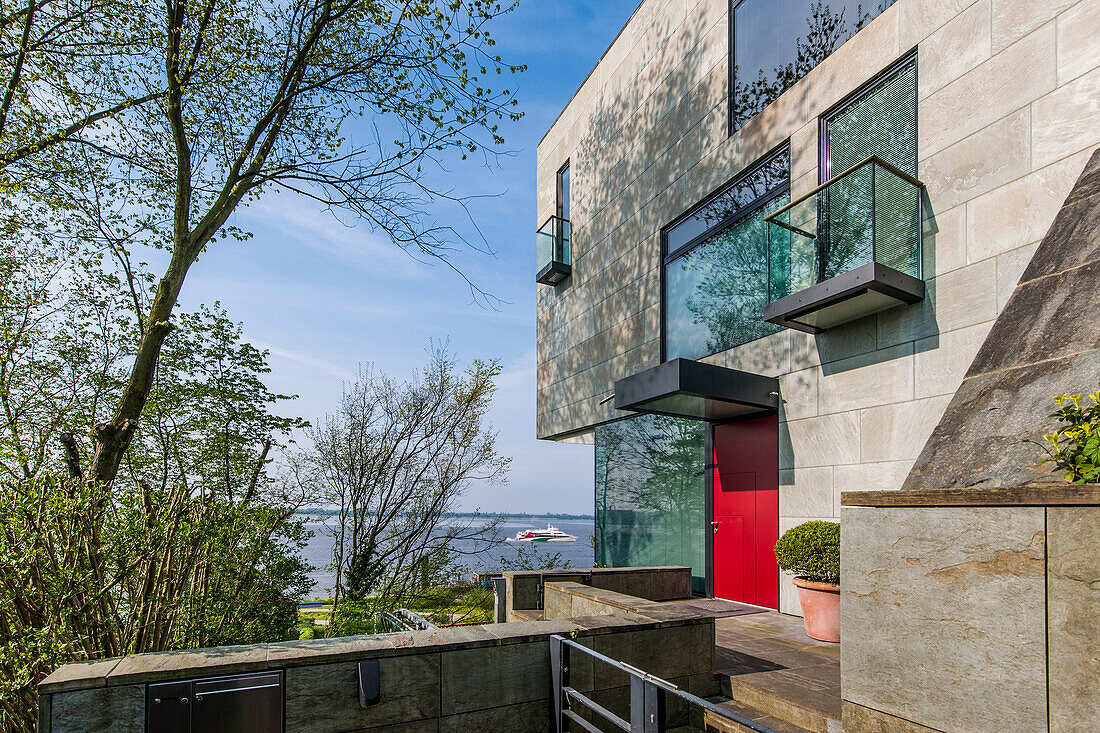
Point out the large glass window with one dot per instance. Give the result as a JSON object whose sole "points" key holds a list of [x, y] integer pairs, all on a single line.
{"points": [[716, 265], [650, 494], [776, 42]]}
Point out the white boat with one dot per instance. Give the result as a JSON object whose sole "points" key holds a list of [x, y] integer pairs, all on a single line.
{"points": [[550, 534]]}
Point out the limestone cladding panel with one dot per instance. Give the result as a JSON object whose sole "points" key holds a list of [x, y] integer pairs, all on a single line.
{"points": [[1015, 18], [943, 241], [1073, 616], [1003, 84], [1033, 202], [958, 46], [1077, 40], [807, 492], [942, 360], [885, 476], [646, 137], [872, 378], [980, 573], [899, 431], [769, 355], [1066, 120], [828, 440]]}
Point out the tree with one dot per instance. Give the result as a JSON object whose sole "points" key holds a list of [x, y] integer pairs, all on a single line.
{"points": [[395, 458], [193, 544], [248, 97], [65, 67]]}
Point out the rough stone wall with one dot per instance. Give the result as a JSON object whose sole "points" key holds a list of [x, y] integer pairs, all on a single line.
{"points": [[1046, 342], [1008, 112]]}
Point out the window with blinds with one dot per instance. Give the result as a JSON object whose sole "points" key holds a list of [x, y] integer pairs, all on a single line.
{"points": [[871, 215]]}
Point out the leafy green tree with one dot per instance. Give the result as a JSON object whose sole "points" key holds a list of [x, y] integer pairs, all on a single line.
{"points": [[222, 102], [193, 544]]}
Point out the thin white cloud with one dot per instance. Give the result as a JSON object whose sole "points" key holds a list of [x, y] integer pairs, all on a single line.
{"points": [[307, 360]]}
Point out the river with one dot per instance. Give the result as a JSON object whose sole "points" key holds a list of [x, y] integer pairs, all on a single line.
{"points": [[579, 554]]}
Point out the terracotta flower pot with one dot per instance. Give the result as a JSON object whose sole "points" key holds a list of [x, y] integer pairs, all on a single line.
{"points": [[820, 609]]}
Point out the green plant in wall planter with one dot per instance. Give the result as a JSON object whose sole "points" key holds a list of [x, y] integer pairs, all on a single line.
{"points": [[812, 552], [1074, 448]]}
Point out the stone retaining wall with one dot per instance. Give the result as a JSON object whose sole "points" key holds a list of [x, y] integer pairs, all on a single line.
{"points": [[662, 583], [971, 611], [492, 677]]}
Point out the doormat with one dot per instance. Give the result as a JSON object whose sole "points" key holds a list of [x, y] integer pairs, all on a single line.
{"points": [[721, 609]]}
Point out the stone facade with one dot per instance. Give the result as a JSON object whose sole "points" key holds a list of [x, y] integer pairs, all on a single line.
{"points": [[1008, 114], [971, 613]]}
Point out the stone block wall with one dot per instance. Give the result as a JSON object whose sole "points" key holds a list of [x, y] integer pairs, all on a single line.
{"points": [[525, 593], [1008, 111], [971, 611], [457, 679]]}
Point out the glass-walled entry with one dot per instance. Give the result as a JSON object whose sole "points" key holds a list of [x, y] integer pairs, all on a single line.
{"points": [[651, 494]]}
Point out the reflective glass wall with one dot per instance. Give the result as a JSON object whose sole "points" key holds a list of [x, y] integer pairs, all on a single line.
{"points": [[650, 494], [777, 42], [716, 265]]}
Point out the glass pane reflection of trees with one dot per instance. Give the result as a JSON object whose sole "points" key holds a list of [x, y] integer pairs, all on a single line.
{"points": [[716, 293], [650, 491], [777, 42]]}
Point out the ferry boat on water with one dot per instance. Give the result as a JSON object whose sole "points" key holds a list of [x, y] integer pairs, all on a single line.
{"points": [[550, 534]]}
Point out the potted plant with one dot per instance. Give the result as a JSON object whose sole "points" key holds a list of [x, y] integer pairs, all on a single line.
{"points": [[812, 552]]}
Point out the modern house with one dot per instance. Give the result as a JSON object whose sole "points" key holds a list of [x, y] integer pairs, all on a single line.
{"points": [[773, 237]]}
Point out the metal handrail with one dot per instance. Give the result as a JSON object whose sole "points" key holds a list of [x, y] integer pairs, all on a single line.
{"points": [[870, 159], [403, 618], [647, 696]]}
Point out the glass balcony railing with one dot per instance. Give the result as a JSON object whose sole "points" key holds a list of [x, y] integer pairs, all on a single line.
{"points": [[552, 251], [850, 247]]}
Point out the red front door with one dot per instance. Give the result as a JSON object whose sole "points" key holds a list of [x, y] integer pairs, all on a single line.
{"points": [[746, 511]]}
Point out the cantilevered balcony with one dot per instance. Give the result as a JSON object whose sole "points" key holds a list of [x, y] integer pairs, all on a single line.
{"points": [[849, 248], [552, 251]]}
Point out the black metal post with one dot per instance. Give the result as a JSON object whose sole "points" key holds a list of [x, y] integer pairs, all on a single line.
{"points": [[559, 678], [654, 721]]}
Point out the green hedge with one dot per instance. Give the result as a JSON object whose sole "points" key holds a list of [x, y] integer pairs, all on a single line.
{"points": [[811, 551]]}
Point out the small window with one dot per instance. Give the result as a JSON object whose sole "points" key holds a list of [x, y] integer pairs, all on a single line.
{"points": [[553, 256], [563, 192]]}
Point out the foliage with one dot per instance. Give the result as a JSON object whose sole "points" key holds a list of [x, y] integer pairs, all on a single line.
{"points": [[394, 459], [1075, 449], [811, 551], [207, 105], [192, 544]]}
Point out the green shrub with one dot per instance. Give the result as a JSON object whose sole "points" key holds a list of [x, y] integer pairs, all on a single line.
{"points": [[1075, 449], [306, 632], [811, 551]]}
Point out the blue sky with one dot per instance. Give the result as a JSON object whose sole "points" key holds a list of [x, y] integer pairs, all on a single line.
{"points": [[324, 297]]}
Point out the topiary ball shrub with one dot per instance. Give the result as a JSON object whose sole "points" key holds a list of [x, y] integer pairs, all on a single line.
{"points": [[811, 551]]}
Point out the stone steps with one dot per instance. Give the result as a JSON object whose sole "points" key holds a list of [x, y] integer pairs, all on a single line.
{"points": [[716, 724], [782, 712]]}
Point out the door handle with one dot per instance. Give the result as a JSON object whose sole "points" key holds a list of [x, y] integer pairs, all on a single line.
{"points": [[714, 526]]}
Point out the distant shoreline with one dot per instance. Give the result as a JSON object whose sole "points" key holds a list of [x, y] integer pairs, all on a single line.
{"points": [[314, 511]]}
